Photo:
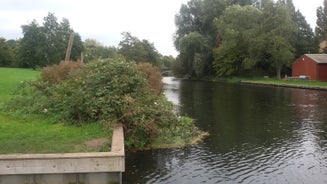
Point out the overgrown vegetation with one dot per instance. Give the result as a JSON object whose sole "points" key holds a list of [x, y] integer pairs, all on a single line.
{"points": [[107, 91], [39, 133], [56, 73], [153, 76]]}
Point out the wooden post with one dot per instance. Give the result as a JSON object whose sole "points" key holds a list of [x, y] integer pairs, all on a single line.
{"points": [[69, 46]]}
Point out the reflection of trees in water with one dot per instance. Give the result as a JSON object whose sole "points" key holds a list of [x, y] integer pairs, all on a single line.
{"points": [[257, 132], [257, 124], [238, 113]]}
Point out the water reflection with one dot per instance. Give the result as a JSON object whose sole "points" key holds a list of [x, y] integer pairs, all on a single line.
{"points": [[258, 134]]}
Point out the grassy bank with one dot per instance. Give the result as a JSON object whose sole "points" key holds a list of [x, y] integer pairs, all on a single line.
{"points": [[288, 83], [23, 133], [11, 77]]}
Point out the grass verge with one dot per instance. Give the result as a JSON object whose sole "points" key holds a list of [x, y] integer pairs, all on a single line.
{"points": [[24, 133], [11, 77], [288, 83]]}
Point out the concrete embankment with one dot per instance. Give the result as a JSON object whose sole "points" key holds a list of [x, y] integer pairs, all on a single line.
{"points": [[67, 168]]}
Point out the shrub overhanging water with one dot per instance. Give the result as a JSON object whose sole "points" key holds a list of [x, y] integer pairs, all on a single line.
{"points": [[109, 91]]}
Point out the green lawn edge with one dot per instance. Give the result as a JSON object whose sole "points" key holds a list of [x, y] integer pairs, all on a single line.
{"points": [[304, 84], [25, 133]]}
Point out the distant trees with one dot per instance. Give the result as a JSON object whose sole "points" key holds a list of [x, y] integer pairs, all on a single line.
{"points": [[95, 50], [45, 45], [134, 49], [321, 28], [196, 36], [241, 40], [240, 37], [6, 53]]}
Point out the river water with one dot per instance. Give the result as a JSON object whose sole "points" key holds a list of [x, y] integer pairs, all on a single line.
{"points": [[258, 134]]}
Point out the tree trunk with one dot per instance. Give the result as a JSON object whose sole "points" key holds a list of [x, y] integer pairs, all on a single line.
{"points": [[278, 72]]}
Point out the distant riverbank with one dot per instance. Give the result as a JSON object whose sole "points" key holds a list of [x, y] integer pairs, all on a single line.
{"points": [[302, 84], [315, 85]]}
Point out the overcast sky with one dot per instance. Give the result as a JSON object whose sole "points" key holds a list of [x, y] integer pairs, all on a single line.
{"points": [[105, 20]]}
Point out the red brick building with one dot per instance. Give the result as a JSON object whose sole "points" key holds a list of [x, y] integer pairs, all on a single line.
{"points": [[313, 66]]}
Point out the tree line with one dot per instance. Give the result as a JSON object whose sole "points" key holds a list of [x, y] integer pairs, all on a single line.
{"points": [[243, 37], [45, 44]]}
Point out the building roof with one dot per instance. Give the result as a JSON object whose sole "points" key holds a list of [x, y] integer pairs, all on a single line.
{"points": [[319, 58]]}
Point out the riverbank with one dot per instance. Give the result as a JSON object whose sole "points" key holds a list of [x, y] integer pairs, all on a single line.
{"points": [[301, 84], [41, 131], [26, 133]]}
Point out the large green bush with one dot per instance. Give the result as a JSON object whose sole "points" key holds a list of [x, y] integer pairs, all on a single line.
{"points": [[107, 91]]}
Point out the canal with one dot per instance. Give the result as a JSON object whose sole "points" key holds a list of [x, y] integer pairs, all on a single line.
{"points": [[258, 134]]}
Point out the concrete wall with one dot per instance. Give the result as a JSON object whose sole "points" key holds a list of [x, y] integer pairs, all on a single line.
{"points": [[66, 168]]}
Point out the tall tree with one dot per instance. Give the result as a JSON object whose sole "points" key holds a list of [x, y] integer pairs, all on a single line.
{"points": [[305, 39], [53, 47], [192, 46], [188, 20], [30, 50], [140, 51], [197, 17], [241, 2], [6, 53], [77, 48], [240, 30], [321, 28], [280, 35], [46, 44], [14, 47], [194, 22]]}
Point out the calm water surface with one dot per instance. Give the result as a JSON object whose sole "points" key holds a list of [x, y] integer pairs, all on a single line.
{"points": [[258, 134]]}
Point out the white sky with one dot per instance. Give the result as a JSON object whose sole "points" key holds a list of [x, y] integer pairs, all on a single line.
{"points": [[105, 20]]}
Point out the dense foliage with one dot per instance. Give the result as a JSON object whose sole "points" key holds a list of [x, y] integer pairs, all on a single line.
{"points": [[321, 28], [136, 50], [153, 76], [46, 44], [246, 37], [56, 73], [6, 53], [108, 91], [95, 50]]}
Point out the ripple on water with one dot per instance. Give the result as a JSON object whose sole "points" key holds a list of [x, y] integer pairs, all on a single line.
{"points": [[296, 152]]}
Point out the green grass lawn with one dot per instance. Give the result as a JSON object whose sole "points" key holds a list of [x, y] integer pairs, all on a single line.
{"points": [[25, 133], [11, 77]]}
